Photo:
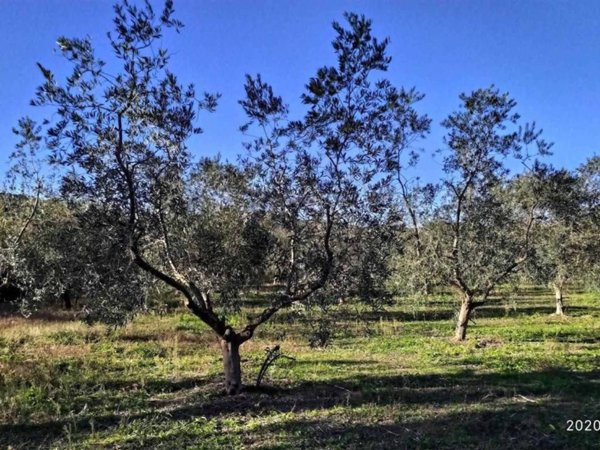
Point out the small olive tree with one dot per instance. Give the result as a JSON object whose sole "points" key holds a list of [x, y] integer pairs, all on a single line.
{"points": [[589, 174], [480, 233], [565, 245]]}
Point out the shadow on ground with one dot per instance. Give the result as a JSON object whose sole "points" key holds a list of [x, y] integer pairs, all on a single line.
{"points": [[491, 311], [499, 410]]}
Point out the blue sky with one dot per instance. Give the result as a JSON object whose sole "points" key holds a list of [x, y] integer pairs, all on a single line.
{"points": [[545, 53]]}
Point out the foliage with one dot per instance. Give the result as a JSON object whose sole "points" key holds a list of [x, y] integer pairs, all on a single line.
{"points": [[566, 246], [20, 200]]}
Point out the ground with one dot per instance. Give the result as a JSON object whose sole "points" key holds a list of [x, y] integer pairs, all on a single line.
{"points": [[394, 381]]}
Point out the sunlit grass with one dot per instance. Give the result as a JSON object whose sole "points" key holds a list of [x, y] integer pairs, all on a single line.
{"points": [[396, 380]]}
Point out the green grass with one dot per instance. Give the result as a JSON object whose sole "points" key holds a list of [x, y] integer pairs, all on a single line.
{"points": [[394, 381]]}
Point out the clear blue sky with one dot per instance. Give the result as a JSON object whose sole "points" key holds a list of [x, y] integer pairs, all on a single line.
{"points": [[545, 53]]}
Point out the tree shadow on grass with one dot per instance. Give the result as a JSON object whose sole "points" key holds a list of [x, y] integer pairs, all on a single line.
{"points": [[335, 362], [521, 406], [11, 310], [158, 386], [494, 311], [516, 426], [572, 337], [490, 311]]}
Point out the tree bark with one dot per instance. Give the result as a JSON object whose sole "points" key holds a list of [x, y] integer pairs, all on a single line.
{"points": [[231, 365], [558, 296], [464, 315]]}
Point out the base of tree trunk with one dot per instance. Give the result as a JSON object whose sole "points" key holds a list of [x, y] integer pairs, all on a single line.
{"points": [[560, 308], [463, 321], [231, 366], [560, 305], [66, 297]]}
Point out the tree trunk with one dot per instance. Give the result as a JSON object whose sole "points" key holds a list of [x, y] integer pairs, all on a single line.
{"points": [[66, 297], [558, 295], [463, 319], [427, 288], [231, 364]]}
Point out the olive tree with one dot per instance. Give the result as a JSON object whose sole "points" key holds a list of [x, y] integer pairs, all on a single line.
{"points": [[209, 230], [565, 246], [589, 174], [480, 234]]}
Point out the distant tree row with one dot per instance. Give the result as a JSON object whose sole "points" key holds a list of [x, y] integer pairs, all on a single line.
{"points": [[106, 202]]}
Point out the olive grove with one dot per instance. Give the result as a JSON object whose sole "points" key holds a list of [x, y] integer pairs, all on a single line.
{"points": [[107, 201]]}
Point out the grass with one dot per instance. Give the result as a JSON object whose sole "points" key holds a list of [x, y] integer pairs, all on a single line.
{"points": [[394, 381]]}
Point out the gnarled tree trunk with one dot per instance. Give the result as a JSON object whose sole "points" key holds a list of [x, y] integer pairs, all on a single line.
{"points": [[231, 365], [464, 315], [558, 296]]}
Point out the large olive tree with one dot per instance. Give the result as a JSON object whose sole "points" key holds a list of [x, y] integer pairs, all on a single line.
{"points": [[301, 202]]}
